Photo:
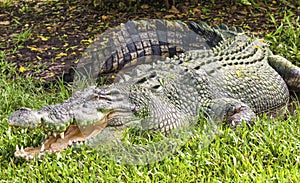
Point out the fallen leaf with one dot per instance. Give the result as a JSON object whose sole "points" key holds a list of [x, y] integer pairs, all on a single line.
{"points": [[72, 8], [104, 17], [169, 16], [39, 58], [86, 41], [179, 16], [43, 38], [196, 10], [62, 54], [246, 2], [32, 48], [51, 74], [145, 6], [174, 10], [4, 23]]}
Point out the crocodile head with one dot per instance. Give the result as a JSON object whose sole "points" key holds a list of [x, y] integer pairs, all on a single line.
{"points": [[73, 121]]}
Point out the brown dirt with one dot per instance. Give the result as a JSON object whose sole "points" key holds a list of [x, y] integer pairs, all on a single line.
{"points": [[60, 31]]}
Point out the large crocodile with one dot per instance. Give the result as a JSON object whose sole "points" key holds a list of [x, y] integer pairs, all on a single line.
{"points": [[226, 73]]}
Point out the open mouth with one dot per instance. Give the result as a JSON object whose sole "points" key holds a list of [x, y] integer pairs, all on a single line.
{"points": [[57, 142]]}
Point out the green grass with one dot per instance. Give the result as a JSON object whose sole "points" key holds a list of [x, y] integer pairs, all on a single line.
{"points": [[267, 151], [6, 3], [21, 38], [285, 40]]}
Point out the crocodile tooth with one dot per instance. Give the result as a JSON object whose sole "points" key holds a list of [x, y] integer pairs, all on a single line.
{"points": [[19, 155], [17, 148], [22, 149], [46, 136], [43, 147], [62, 135], [70, 142], [54, 134], [22, 130], [28, 157]]}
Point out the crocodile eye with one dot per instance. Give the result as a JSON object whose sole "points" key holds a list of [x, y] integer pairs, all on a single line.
{"points": [[197, 67], [94, 96], [153, 75], [156, 86], [140, 81]]}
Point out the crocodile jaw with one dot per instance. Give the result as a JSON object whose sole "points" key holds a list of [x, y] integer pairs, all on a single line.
{"points": [[57, 142]]}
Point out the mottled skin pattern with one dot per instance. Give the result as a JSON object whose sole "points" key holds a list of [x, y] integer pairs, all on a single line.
{"points": [[230, 76]]}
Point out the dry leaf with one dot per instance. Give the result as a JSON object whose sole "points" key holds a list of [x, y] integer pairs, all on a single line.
{"points": [[145, 6], [32, 48], [62, 54], [196, 10], [86, 41], [174, 10], [4, 23], [169, 16], [43, 38], [104, 17]]}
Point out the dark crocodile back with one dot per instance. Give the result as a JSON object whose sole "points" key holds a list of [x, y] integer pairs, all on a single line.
{"points": [[137, 42]]}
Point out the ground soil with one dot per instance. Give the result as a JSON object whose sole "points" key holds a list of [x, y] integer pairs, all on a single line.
{"points": [[61, 30]]}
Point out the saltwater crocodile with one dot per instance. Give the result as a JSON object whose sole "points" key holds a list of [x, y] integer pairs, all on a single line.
{"points": [[227, 74]]}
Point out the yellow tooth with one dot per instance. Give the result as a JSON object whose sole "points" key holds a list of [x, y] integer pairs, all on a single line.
{"points": [[29, 157], [43, 147], [17, 148], [54, 134], [62, 135]]}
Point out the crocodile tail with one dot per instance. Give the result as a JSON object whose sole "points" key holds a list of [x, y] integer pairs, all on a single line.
{"points": [[128, 42], [229, 32], [232, 30], [212, 36], [216, 34]]}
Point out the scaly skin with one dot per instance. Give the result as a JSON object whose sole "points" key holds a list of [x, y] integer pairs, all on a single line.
{"points": [[232, 77]]}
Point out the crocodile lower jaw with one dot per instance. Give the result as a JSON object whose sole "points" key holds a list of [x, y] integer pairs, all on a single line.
{"points": [[56, 143]]}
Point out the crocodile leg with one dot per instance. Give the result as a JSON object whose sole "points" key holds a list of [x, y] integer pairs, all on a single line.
{"points": [[289, 72], [232, 111]]}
